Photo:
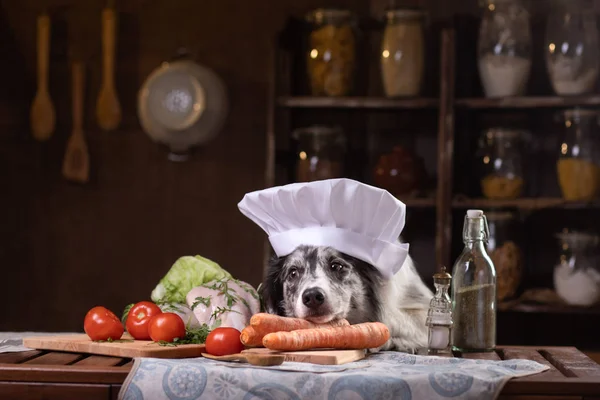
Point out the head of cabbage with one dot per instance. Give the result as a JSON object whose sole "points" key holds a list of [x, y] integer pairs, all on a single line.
{"points": [[187, 273]]}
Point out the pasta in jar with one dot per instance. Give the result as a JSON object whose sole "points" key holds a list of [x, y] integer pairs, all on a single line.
{"points": [[331, 53]]}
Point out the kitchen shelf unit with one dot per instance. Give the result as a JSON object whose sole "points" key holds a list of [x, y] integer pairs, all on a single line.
{"points": [[448, 205]]}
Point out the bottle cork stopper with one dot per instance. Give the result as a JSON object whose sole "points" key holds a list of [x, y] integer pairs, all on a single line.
{"points": [[474, 213]]}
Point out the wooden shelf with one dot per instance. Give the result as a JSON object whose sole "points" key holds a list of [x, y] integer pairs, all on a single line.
{"points": [[418, 202], [528, 102], [356, 102], [523, 203], [547, 308]]}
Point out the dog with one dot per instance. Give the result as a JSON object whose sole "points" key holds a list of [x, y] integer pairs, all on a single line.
{"points": [[321, 284]]}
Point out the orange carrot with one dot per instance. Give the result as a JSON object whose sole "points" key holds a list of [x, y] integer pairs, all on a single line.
{"points": [[249, 337], [360, 336], [267, 323]]}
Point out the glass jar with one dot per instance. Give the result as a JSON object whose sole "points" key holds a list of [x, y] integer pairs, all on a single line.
{"points": [[403, 52], [504, 48], [572, 56], [400, 172], [321, 152], [504, 250], [331, 55], [500, 152], [578, 164], [576, 277]]}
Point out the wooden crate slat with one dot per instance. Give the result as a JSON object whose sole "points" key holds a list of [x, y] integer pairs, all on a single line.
{"points": [[56, 358], [63, 391], [533, 355], [491, 355], [572, 362], [19, 357], [62, 373], [103, 361]]}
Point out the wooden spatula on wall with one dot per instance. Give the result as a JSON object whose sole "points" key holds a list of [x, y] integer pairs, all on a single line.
{"points": [[76, 164], [108, 108], [42, 114]]}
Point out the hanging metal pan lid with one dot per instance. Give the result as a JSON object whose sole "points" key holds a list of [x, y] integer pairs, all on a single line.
{"points": [[182, 104]]}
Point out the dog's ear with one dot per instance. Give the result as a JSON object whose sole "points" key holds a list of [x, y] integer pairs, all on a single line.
{"points": [[271, 291]]}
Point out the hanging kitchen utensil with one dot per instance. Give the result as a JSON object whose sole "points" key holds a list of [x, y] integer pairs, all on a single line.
{"points": [[108, 108], [42, 116], [182, 105], [76, 164]]}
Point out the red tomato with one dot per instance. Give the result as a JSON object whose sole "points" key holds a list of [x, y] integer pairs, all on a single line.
{"points": [[223, 341], [138, 318], [102, 324], [166, 326]]}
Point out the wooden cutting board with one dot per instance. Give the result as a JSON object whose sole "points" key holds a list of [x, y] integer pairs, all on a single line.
{"points": [[323, 357], [137, 348]]}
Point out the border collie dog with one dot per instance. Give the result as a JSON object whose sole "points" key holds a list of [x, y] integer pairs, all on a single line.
{"points": [[321, 284]]}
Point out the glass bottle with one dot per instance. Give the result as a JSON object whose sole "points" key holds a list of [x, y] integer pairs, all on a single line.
{"points": [[331, 53], [578, 165], [439, 316], [504, 48], [474, 290], [402, 56], [572, 56]]}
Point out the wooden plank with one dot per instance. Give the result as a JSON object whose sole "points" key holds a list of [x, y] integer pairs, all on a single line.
{"points": [[44, 391], [356, 102], [135, 348], [534, 355], [322, 357], [62, 373], [127, 365], [572, 362], [19, 357], [539, 397], [102, 361], [55, 358], [491, 355], [539, 385], [529, 102]]}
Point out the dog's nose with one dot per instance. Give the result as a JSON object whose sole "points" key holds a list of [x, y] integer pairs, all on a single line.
{"points": [[313, 297]]}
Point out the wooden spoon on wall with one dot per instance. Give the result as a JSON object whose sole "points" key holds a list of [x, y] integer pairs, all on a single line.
{"points": [[108, 109], [42, 116], [76, 164]]}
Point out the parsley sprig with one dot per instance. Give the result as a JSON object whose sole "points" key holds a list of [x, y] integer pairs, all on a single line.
{"points": [[192, 336]]}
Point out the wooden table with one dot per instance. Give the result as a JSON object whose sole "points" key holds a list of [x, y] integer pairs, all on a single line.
{"points": [[56, 375]]}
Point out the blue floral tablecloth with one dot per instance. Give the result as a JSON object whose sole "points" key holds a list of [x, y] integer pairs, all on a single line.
{"points": [[385, 375]]}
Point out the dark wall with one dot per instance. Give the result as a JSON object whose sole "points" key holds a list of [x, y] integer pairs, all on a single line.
{"points": [[64, 247]]}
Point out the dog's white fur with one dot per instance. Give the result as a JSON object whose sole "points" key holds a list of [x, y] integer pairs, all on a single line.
{"points": [[405, 315]]}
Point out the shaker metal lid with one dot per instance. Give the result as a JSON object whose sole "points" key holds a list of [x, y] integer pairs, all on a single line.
{"points": [[442, 275]]}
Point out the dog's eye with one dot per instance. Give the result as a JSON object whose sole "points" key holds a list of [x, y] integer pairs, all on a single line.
{"points": [[293, 273], [336, 266]]}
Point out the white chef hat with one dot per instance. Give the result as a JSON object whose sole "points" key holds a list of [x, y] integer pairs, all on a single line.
{"points": [[357, 219]]}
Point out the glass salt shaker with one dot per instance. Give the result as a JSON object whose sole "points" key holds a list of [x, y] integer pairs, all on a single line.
{"points": [[439, 316]]}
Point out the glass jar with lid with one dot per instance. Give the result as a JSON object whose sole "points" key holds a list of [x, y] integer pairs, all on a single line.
{"points": [[331, 53], [402, 56], [576, 275], [505, 252], [504, 48], [578, 164], [501, 155], [321, 151], [572, 55]]}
